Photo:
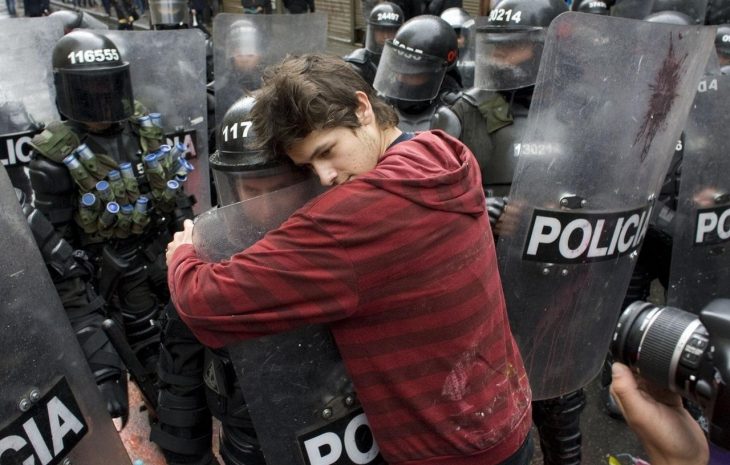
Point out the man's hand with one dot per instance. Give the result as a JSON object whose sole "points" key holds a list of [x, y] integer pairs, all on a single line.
{"points": [[667, 431], [181, 237]]}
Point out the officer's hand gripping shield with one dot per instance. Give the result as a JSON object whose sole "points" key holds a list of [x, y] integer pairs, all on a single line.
{"points": [[27, 95], [51, 407], [700, 269], [599, 139], [300, 397], [246, 44], [168, 77]]}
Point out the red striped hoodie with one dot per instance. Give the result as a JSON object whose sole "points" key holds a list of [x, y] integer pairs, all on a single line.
{"points": [[400, 263]]}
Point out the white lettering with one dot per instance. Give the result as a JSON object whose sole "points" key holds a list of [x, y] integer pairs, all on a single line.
{"points": [[36, 439], [624, 245], [723, 229], [317, 445], [594, 250], [62, 422], [564, 247], [23, 149], [706, 222], [351, 448], [15, 443], [539, 237]]}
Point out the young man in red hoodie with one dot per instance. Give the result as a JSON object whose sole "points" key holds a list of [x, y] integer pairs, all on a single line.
{"points": [[397, 258]]}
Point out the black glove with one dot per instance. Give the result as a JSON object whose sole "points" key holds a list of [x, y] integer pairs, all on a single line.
{"points": [[495, 209], [114, 393]]}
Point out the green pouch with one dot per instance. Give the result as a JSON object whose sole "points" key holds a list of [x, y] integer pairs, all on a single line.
{"points": [[55, 142], [496, 111]]}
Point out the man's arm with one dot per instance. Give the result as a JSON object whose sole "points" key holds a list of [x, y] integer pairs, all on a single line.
{"points": [[667, 431], [296, 275]]}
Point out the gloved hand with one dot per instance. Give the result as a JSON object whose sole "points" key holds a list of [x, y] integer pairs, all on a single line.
{"points": [[495, 209], [114, 392]]}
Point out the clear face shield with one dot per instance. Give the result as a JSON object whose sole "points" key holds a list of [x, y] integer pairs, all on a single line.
{"points": [[377, 35], [507, 58], [406, 75], [234, 184]]}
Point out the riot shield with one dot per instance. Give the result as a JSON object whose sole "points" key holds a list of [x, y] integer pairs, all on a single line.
{"points": [[301, 399], [168, 77], [635, 9], [246, 44], [598, 142], [51, 407], [27, 95], [700, 269]]}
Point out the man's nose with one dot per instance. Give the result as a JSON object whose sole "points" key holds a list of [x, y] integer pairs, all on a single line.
{"points": [[326, 173]]}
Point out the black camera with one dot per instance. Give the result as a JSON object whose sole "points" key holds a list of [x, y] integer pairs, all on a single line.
{"points": [[677, 350]]}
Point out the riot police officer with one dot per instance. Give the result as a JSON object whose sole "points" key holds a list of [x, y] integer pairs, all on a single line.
{"points": [[241, 172], [417, 73], [107, 184], [383, 22]]}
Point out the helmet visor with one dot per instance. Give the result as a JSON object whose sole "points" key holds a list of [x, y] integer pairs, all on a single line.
{"points": [[507, 59], [235, 186], [95, 96], [405, 75], [376, 37]]}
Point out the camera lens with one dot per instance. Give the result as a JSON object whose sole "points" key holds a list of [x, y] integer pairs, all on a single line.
{"points": [[664, 344]]}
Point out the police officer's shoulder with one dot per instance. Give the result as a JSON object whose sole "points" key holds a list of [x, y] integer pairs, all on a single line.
{"points": [[358, 56], [447, 120]]}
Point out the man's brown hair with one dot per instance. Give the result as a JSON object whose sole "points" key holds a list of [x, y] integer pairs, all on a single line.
{"points": [[308, 93]]}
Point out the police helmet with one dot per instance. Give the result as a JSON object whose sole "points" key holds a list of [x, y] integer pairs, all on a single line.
{"points": [[456, 17], [510, 40], [415, 61], [722, 40], [383, 22], [238, 159], [592, 6], [670, 17], [93, 84], [695, 9], [169, 14]]}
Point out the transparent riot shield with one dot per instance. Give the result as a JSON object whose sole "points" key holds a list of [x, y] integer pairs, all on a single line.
{"points": [[701, 249], [168, 77], [27, 95], [51, 407], [635, 9], [598, 141], [246, 44], [302, 402]]}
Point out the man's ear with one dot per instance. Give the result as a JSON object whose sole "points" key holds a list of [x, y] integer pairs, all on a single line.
{"points": [[364, 109]]}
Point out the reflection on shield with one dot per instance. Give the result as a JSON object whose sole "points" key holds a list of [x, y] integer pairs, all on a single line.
{"points": [[596, 148], [246, 45]]}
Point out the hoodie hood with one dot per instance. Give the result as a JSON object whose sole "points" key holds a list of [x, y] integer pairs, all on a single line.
{"points": [[434, 170]]}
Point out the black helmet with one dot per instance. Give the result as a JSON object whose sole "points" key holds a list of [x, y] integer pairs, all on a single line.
{"points": [[415, 61], [93, 84], [169, 14], [238, 159], [695, 9], [456, 17], [592, 6], [383, 22], [722, 40], [509, 42], [670, 17]]}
